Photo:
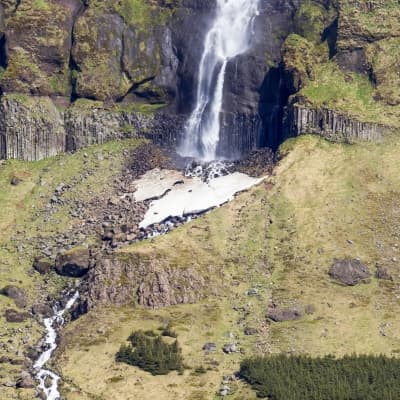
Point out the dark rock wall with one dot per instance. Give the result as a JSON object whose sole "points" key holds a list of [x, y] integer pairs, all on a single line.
{"points": [[333, 126], [55, 53]]}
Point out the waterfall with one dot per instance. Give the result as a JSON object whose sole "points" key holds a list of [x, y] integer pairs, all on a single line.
{"points": [[230, 35], [48, 379]]}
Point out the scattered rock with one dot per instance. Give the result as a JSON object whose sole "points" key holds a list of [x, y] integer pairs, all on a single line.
{"points": [[15, 316], [248, 331], [42, 265], [15, 181], [42, 309], [252, 292], [383, 273], [15, 293], [278, 314], [25, 381], [230, 348], [349, 272], [73, 263], [210, 347]]}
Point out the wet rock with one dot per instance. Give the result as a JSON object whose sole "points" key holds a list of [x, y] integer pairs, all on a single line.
{"points": [[73, 263], [43, 265], [349, 272], [15, 293], [278, 314], [383, 273], [15, 316]]}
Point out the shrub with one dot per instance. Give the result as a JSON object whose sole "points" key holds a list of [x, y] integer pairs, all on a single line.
{"points": [[151, 353]]}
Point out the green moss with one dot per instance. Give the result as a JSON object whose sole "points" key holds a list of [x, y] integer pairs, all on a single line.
{"points": [[349, 93], [310, 20], [41, 5]]}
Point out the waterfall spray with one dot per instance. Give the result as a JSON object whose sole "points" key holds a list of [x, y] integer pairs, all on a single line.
{"points": [[230, 35]]}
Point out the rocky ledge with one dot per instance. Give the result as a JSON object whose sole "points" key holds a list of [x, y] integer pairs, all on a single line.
{"points": [[301, 119]]}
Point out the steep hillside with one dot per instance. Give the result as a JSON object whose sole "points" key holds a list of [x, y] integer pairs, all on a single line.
{"points": [[324, 202]]}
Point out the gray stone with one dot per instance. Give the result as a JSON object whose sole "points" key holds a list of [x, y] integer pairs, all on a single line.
{"points": [[349, 272]]}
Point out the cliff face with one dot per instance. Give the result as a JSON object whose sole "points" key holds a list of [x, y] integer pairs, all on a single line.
{"points": [[75, 73], [140, 279]]}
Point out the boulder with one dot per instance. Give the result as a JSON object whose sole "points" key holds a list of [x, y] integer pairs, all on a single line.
{"points": [[278, 314], [349, 272], [230, 348], [73, 263], [15, 293], [383, 273], [248, 331], [42, 309], [43, 265], [210, 347], [25, 381], [15, 316]]}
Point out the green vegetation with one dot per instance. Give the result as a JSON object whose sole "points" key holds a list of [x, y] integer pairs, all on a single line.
{"points": [[24, 218], [300, 377], [351, 94], [325, 201], [151, 354]]}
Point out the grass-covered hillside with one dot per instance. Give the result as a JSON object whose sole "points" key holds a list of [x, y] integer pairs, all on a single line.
{"points": [[325, 201], [28, 218], [344, 55]]}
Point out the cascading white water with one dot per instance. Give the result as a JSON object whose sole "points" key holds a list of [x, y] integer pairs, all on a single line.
{"points": [[43, 375], [229, 36]]}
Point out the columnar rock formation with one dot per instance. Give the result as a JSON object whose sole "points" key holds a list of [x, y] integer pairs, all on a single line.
{"points": [[330, 124]]}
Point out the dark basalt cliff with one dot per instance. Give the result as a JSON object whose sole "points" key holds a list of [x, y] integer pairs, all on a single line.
{"points": [[77, 73]]}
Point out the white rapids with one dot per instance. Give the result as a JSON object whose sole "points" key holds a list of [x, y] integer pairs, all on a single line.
{"points": [[230, 35], [42, 375]]}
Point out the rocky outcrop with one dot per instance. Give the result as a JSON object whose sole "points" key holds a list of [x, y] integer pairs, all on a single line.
{"points": [[329, 124], [140, 279], [74, 263], [31, 128]]}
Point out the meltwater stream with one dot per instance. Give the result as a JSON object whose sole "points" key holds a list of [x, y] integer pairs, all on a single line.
{"points": [[229, 36], [48, 380]]}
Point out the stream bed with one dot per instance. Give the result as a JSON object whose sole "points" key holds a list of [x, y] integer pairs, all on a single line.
{"points": [[48, 380]]}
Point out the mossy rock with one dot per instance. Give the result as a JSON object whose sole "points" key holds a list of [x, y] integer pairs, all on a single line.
{"points": [[39, 43]]}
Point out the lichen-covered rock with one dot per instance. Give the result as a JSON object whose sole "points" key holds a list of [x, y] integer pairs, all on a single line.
{"points": [[38, 47], [43, 265], [15, 293], [73, 263], [383, 57], [15, 316], [349, 272], [141, 279], [282, 314]]}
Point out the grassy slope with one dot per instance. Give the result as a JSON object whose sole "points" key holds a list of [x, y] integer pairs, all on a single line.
{"points": [[19, 226], [323, 195], [228, 243]]}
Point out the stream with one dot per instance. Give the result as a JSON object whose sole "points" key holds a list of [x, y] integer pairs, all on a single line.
{"points": [[44, 375]]}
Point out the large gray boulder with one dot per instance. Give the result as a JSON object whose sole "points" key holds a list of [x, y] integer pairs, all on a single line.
{"points": [[349, 272]]}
